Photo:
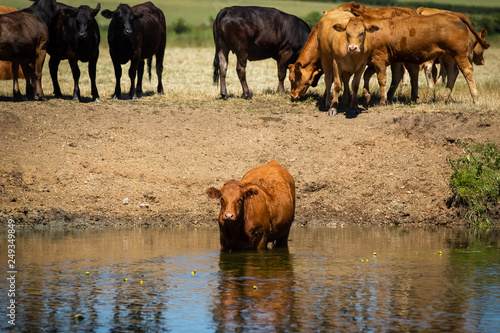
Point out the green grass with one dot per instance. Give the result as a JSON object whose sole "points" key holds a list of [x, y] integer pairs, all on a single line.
{"points": [[475, 182]]}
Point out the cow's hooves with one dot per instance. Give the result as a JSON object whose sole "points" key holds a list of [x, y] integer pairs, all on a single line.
{"points": [[76, 99], [224, 97], [332, 112], [97, 100]]}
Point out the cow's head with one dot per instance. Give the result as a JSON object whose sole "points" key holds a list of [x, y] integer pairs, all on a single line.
{"points": [[477, 54], [124, 17], [84, 17], [355, 31], [301, 78], [232, 197]]}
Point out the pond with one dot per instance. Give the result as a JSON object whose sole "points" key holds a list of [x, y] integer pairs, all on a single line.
{"points": [[329, 279]]}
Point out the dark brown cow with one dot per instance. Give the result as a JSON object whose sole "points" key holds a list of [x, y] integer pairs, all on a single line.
{"points": [[256, 33], [74, 35], [136, 33], [420, 38], [6, 66], [256, 210], [24, 37]]}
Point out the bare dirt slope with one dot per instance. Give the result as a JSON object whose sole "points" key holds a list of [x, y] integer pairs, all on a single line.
{"points": [[150, 162]]}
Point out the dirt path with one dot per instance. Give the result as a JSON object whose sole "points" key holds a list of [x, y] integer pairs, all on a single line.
{"points": [[120, 163]]}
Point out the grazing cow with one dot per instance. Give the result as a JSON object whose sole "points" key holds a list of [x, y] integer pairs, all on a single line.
{"points": [[24, 37], [429, 67], [256, 33], [419, 38], [136, 33], [256, 210], [6, 66], [74, 35], [343, 53]]}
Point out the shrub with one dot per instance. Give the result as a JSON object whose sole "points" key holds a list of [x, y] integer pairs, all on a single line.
{"points": [[475, 182]]}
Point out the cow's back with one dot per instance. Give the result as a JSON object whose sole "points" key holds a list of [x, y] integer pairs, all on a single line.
{"points": [[279, 186], [262, 32]]}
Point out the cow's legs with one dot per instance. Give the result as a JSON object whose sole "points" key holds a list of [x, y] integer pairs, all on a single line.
{"points": [[159, 70], [241, 69], [53, 66], [132, 72], [15, 81], [92, 75], [428, 69], [452, 71], [355, 86], [73, 63], [468, 72], [118, 75], [370, 70], [283, 240], [382, 81], [397, 72], [337, 86], [345, 92], [140, 74], [413, 70], [328, 86], [28, 72], [281, 75], [223, 55], [40, 59]]}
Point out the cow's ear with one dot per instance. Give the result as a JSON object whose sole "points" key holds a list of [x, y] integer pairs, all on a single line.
{"points": [[214, 193], [137, 16], [96, 10], [372, 28], [107, 13], [250, 192], [339, 27], [483, 33]]}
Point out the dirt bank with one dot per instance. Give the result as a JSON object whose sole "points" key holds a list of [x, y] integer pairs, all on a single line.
{"points": [[121, 163]]}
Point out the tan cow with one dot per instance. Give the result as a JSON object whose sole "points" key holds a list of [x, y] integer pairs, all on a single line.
{"points": [[343, 52], [430, 66], [420, 38], [256, 210], [6, 66]]}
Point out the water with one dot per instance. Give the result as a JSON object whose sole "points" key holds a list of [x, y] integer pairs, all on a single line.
{"points": [[344, 279]]}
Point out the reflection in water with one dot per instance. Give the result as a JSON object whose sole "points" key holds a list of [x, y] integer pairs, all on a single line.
{"points": [[431, 279]]}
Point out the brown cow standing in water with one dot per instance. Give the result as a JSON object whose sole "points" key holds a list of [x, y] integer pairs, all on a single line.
{"points": [[256, 210]]}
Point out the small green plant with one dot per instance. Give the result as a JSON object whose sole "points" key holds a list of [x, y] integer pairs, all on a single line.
{"points": [[475, 182]]}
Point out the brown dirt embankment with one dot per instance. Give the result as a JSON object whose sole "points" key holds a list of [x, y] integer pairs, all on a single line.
{"points": [[123, 163]]}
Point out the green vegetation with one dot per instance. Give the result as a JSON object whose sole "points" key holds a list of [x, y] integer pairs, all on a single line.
{"points": [[475, 182]]}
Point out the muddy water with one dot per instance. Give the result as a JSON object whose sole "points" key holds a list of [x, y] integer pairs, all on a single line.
{"points": [[345, 279]]}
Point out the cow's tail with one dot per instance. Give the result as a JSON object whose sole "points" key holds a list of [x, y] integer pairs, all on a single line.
{"points": [[466, 20], [150, 60], [217, 37]]}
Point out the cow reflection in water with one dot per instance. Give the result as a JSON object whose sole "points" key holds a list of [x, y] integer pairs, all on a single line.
{"points": [[269, 306]]}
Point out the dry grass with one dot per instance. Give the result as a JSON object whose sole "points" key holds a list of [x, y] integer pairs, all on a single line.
{"points": [[188, 79]]}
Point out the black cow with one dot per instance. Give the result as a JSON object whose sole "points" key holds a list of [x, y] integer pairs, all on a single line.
{"points": [[136, 34], [24, 37], [256, 33], [74, 35]]}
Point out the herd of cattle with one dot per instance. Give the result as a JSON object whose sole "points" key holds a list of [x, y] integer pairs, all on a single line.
{"points": [[345, 41], [135, 34], [351, 39]]}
